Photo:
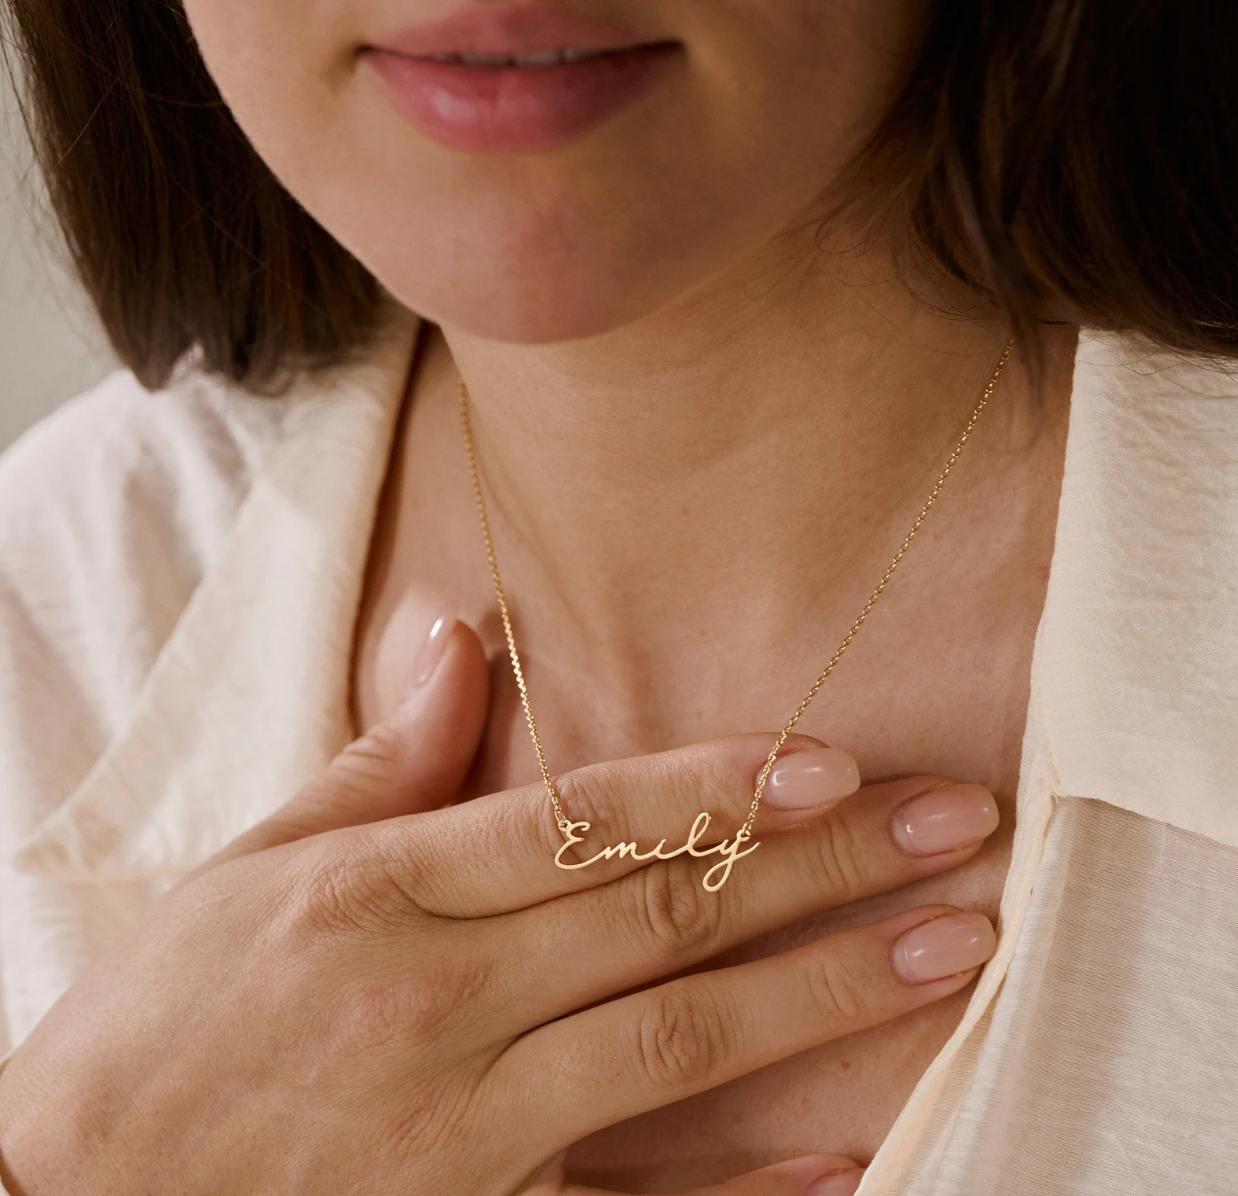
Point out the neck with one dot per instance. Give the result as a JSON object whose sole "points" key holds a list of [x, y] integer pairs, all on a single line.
{"points": [[726, 478]]}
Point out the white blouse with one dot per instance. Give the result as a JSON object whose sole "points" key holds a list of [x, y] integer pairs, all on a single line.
{"points": [[180, 574]]}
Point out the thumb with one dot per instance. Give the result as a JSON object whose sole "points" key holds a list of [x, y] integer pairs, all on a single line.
{"points": [[811, 1175], [414, 759]]}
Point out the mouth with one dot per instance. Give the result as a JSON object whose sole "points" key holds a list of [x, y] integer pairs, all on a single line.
{"points": [[527, 100], [538, 59], [526, 75]]}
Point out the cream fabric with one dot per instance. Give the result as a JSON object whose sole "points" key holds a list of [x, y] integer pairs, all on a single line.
{"points": [[180, 574]]}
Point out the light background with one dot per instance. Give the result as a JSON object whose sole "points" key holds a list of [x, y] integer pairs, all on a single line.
{"points": [[51, 345]]}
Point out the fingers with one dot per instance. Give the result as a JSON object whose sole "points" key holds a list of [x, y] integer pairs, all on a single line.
{"points": [[498, 852], [412, 760], [659, 920], [640, 1052], [812, 1175]]}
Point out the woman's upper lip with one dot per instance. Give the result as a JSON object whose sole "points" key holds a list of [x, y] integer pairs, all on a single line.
{"points": [[510, 29]]}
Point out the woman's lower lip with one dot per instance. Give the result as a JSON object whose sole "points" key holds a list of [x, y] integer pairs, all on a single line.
{"points": [[488, 108]]}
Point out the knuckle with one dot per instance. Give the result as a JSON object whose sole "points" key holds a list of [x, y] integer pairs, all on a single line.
{"points": [[374, 1013], [329, 897], [673, 912], [442, 997], [684, 1038], [838, 858], [344, 888], [420, 857], [835, 990], [378, 1012], [401, 857]]}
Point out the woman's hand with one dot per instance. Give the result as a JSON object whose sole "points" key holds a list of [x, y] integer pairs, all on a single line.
{"points": [[426, 1004]]}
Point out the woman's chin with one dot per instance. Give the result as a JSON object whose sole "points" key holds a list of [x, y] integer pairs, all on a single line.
{"points": [[520, 315]]}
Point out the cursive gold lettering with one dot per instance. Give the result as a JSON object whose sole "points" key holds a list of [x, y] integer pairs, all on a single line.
{"points": [[730, 849]]}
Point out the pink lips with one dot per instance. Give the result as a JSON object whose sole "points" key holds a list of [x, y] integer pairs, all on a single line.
{"points": [[495, 107]]}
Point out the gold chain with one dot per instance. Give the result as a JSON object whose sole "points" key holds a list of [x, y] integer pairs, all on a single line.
{"points": [[564, 823]]}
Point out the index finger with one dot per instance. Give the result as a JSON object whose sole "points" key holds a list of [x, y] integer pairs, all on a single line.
{"points": [[504, 851]]}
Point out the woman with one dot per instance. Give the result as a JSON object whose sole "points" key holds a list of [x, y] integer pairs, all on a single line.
{"points": [[717, 304]]}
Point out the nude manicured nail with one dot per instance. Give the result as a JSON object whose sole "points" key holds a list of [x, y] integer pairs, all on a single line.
{"points": [[841, 1183], [943, 819], [431, 651], [814, 777], [943, 946]]}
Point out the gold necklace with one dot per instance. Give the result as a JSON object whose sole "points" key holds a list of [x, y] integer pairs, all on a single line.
{"points": [[729, 849]]}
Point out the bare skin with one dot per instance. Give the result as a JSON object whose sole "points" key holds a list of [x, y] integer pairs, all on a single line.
{"points": [[939, 673]]}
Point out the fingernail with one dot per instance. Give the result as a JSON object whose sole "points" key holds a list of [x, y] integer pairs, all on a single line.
{"points": [[814, 777], [943, 819], [943, 946], [841, 1183], [431, 652], [810, 1169]]}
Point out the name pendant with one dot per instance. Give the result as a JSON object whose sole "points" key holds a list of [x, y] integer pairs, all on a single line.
{"points": [[730, 849]]}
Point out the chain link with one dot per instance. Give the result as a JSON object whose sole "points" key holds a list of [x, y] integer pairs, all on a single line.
{"points": [[745, 831]]}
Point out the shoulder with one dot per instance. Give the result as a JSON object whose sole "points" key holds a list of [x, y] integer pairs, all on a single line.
{"points": [[173, 460], [1134, 658], [112, 508], [117, 501]]}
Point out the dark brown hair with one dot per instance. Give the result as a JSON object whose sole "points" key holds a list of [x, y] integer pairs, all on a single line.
{"points": [[1063, 156]]}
